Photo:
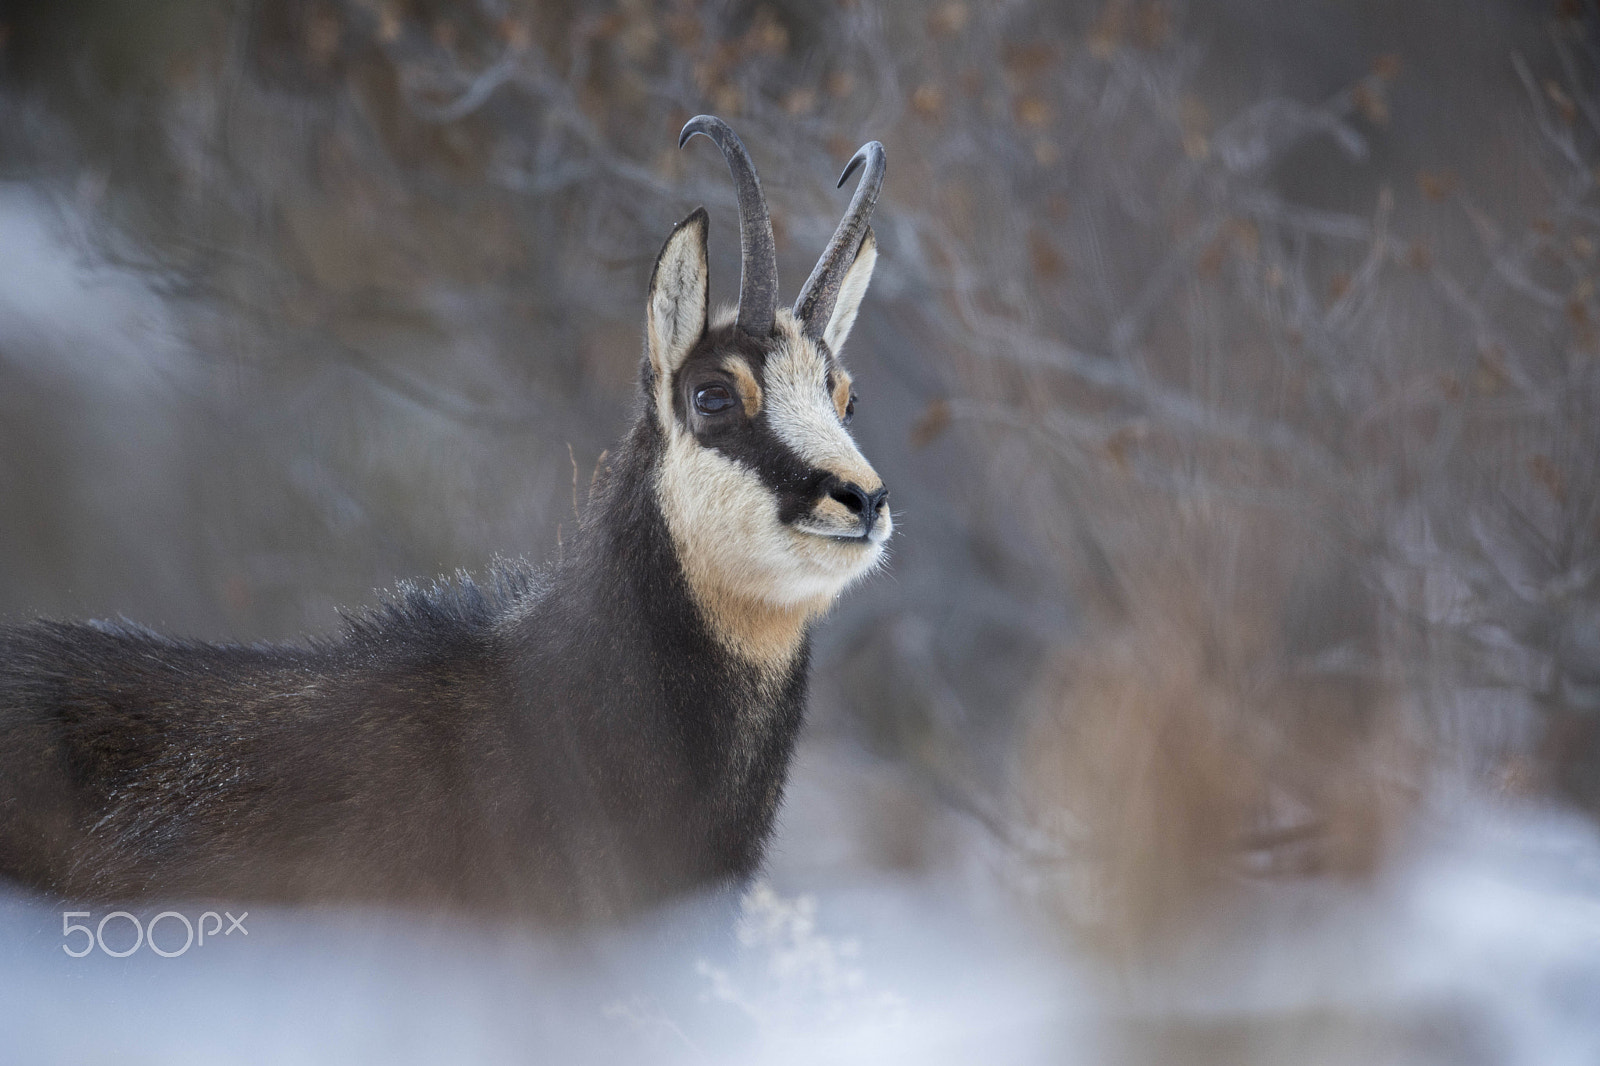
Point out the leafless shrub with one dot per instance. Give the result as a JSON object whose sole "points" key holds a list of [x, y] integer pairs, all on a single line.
{"points": [[1234, 719], [1265, 385]]}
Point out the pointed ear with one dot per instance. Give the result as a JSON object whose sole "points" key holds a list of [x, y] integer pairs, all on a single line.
{"points": [[851, 291], [676, 312]]}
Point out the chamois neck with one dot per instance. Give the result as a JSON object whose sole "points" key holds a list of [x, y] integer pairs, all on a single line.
{"points": [[626, 533], [767, 636]]}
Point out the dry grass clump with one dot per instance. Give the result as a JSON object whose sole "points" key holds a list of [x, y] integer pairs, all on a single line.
{"points": [[1235, 722]]}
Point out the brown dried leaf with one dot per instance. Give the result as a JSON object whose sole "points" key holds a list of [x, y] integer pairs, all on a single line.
{"points": [[684, 29], [1193, 115], [801, 101], [1025, 60], [1042, 254], [1122, 441], [516, 33], [1548, 475], [389, 24], [933, 421], [1109, 29], [1153, 25], [323, 34], [948, 19], [767, 35], [1436, 185], [1031, 111], [1370, 102], [1489, 375], [726, 99], [1564, 105], [1246, 238], [608, 27]]}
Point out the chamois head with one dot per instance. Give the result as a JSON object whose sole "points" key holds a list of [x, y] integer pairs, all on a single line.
{"points": [[771, 506]]}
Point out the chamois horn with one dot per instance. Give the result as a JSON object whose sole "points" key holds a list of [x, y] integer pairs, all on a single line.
{"points": [[815, 305], [758, 256]]}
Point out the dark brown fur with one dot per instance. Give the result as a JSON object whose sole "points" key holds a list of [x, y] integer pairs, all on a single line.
{"points": [[570, 743]]}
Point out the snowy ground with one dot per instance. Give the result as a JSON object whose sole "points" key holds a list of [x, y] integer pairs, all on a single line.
{"points": [[1482, 946]]}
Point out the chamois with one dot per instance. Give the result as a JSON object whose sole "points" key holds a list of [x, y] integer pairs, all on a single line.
{"points": [[572, 742]]}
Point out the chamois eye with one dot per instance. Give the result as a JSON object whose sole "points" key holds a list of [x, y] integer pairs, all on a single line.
{"points": [[712, 399], [850, 409]]}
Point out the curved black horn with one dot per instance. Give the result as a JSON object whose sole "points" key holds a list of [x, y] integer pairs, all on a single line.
{"points": [[758, 256], [815, 305]]}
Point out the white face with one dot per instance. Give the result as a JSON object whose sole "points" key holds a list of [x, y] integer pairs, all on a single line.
{"points": [[770, 504], [769, 498]]}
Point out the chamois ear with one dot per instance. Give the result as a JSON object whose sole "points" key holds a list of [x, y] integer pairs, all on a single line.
{"points": [[851, 292], [676, 313]]}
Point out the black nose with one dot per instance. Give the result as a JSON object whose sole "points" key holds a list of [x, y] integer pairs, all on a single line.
{"points": [[859, 501]]}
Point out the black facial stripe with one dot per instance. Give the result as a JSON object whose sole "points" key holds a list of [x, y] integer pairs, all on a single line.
{"points": [[752, 443], [795, 483]]}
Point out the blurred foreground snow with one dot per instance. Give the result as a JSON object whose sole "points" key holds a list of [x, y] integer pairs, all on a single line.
{"points": [[1481, 946]]}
